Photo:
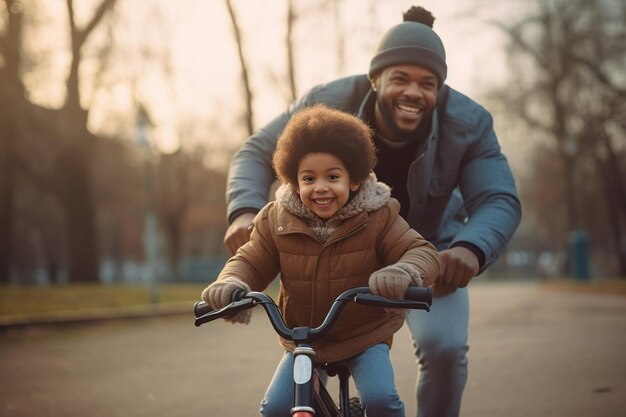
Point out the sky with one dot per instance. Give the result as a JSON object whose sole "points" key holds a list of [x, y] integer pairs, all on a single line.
{"points": [[187, 71], [206, 60]]}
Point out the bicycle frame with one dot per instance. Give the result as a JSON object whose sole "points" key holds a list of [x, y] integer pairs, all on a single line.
{"points": [[310, 395]]}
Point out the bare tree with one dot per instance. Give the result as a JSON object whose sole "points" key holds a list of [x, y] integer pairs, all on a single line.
{"points": [[11, 102], [64, 131], [289, 46], [311, 12], [174, 195], [567, 59], [74, 186], [341, 37], [245, 78]]}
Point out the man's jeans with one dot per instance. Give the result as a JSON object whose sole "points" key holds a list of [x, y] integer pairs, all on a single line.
{"points": [[440, 340]]}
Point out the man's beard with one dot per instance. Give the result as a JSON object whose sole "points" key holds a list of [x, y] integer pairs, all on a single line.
{"points": [[398, 134]]}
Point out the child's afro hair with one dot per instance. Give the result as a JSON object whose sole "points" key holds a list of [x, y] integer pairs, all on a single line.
{"points": [[320, 129]]}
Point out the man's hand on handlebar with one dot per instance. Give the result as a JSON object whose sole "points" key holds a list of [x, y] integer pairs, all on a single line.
{"points": [[458, 266], [238, 233]]}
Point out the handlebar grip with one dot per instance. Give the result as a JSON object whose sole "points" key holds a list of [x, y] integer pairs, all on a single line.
{"points": [[200, 308], [237, 295], [423, 294], [414, 298]]}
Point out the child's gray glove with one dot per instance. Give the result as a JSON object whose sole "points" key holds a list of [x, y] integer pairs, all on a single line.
{"points": [[393, 280], [219, 293]]}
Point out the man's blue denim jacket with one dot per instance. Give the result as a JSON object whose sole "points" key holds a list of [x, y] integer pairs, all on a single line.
{"points": [[461, 187]]}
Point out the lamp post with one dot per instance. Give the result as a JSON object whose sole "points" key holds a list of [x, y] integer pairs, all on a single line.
{"points": [[151, 238], [578, 239]]}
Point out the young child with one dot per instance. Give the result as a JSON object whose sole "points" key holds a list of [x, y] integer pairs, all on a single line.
{"points": [[332, 227]]}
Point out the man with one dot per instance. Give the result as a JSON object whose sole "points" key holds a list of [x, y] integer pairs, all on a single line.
{"points": [[438, 151]]}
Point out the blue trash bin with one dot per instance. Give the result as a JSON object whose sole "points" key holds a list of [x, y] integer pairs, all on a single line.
{"points": [[578, 254]]}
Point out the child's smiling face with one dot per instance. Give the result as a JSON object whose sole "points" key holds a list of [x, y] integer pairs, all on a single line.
{"points": [[324, 183]]}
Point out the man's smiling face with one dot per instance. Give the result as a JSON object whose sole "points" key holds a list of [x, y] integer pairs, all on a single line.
{"points": [[406, 94]]}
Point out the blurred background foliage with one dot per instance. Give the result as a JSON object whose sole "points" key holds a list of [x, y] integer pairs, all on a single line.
{"points": [[88, 196]]}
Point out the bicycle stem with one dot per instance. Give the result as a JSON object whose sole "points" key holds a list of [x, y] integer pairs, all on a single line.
{"points": [[303, 381]]}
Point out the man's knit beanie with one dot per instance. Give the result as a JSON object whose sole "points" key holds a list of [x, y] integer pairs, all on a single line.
{"points": [[412, 42]]}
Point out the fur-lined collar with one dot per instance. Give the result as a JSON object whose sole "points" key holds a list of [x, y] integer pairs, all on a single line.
{"points": [[371, 196]]}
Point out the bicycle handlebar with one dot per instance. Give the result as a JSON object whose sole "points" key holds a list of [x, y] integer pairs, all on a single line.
{"points": [[414, 298]]}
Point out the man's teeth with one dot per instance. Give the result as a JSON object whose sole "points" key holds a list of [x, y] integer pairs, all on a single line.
{"points": [[409, 109]]}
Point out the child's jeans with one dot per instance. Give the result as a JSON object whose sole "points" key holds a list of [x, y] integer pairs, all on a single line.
{"points": [[371, 371]]}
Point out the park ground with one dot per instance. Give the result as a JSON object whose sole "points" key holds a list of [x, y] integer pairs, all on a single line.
{"points": [[542, 349]]}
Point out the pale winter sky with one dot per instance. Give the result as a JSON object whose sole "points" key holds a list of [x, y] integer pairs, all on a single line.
{"points": [[203, 81], [208, 71]]}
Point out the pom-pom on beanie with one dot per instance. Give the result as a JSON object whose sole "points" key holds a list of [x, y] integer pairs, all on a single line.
{"points": [[412, 42]]}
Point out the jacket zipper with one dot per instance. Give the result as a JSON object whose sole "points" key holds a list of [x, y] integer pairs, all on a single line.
{"points": [[409, 176], [346, 235]]}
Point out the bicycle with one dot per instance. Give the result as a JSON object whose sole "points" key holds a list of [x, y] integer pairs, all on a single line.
{"points": [[311, 398]]}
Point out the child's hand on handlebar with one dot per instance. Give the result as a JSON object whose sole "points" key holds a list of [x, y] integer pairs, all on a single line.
{"points": [[219, 295], [393, 280]]}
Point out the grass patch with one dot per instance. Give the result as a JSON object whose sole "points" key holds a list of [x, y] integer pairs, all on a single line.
{"points": [[27, 300], [33, 300]]}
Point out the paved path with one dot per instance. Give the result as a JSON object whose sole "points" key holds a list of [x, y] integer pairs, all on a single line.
{"points": [[533, 352]]}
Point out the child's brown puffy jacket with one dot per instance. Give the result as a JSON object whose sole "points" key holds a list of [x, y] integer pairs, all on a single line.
{"points": [[313, 273]]}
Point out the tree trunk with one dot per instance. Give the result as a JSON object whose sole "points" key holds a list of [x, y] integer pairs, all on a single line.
{"points": [[8, 133], [291, 65], [75, 195], [616, 199], [245, 79], [75, 190], [11, 97]]}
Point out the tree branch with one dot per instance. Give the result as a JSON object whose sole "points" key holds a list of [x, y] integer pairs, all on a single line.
{"points": [[104, 7], [515, 36], [81, 35], [599, 74], [244, 69]]}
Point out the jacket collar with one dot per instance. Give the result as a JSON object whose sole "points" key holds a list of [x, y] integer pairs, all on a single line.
{"points": [[371, 196]]}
